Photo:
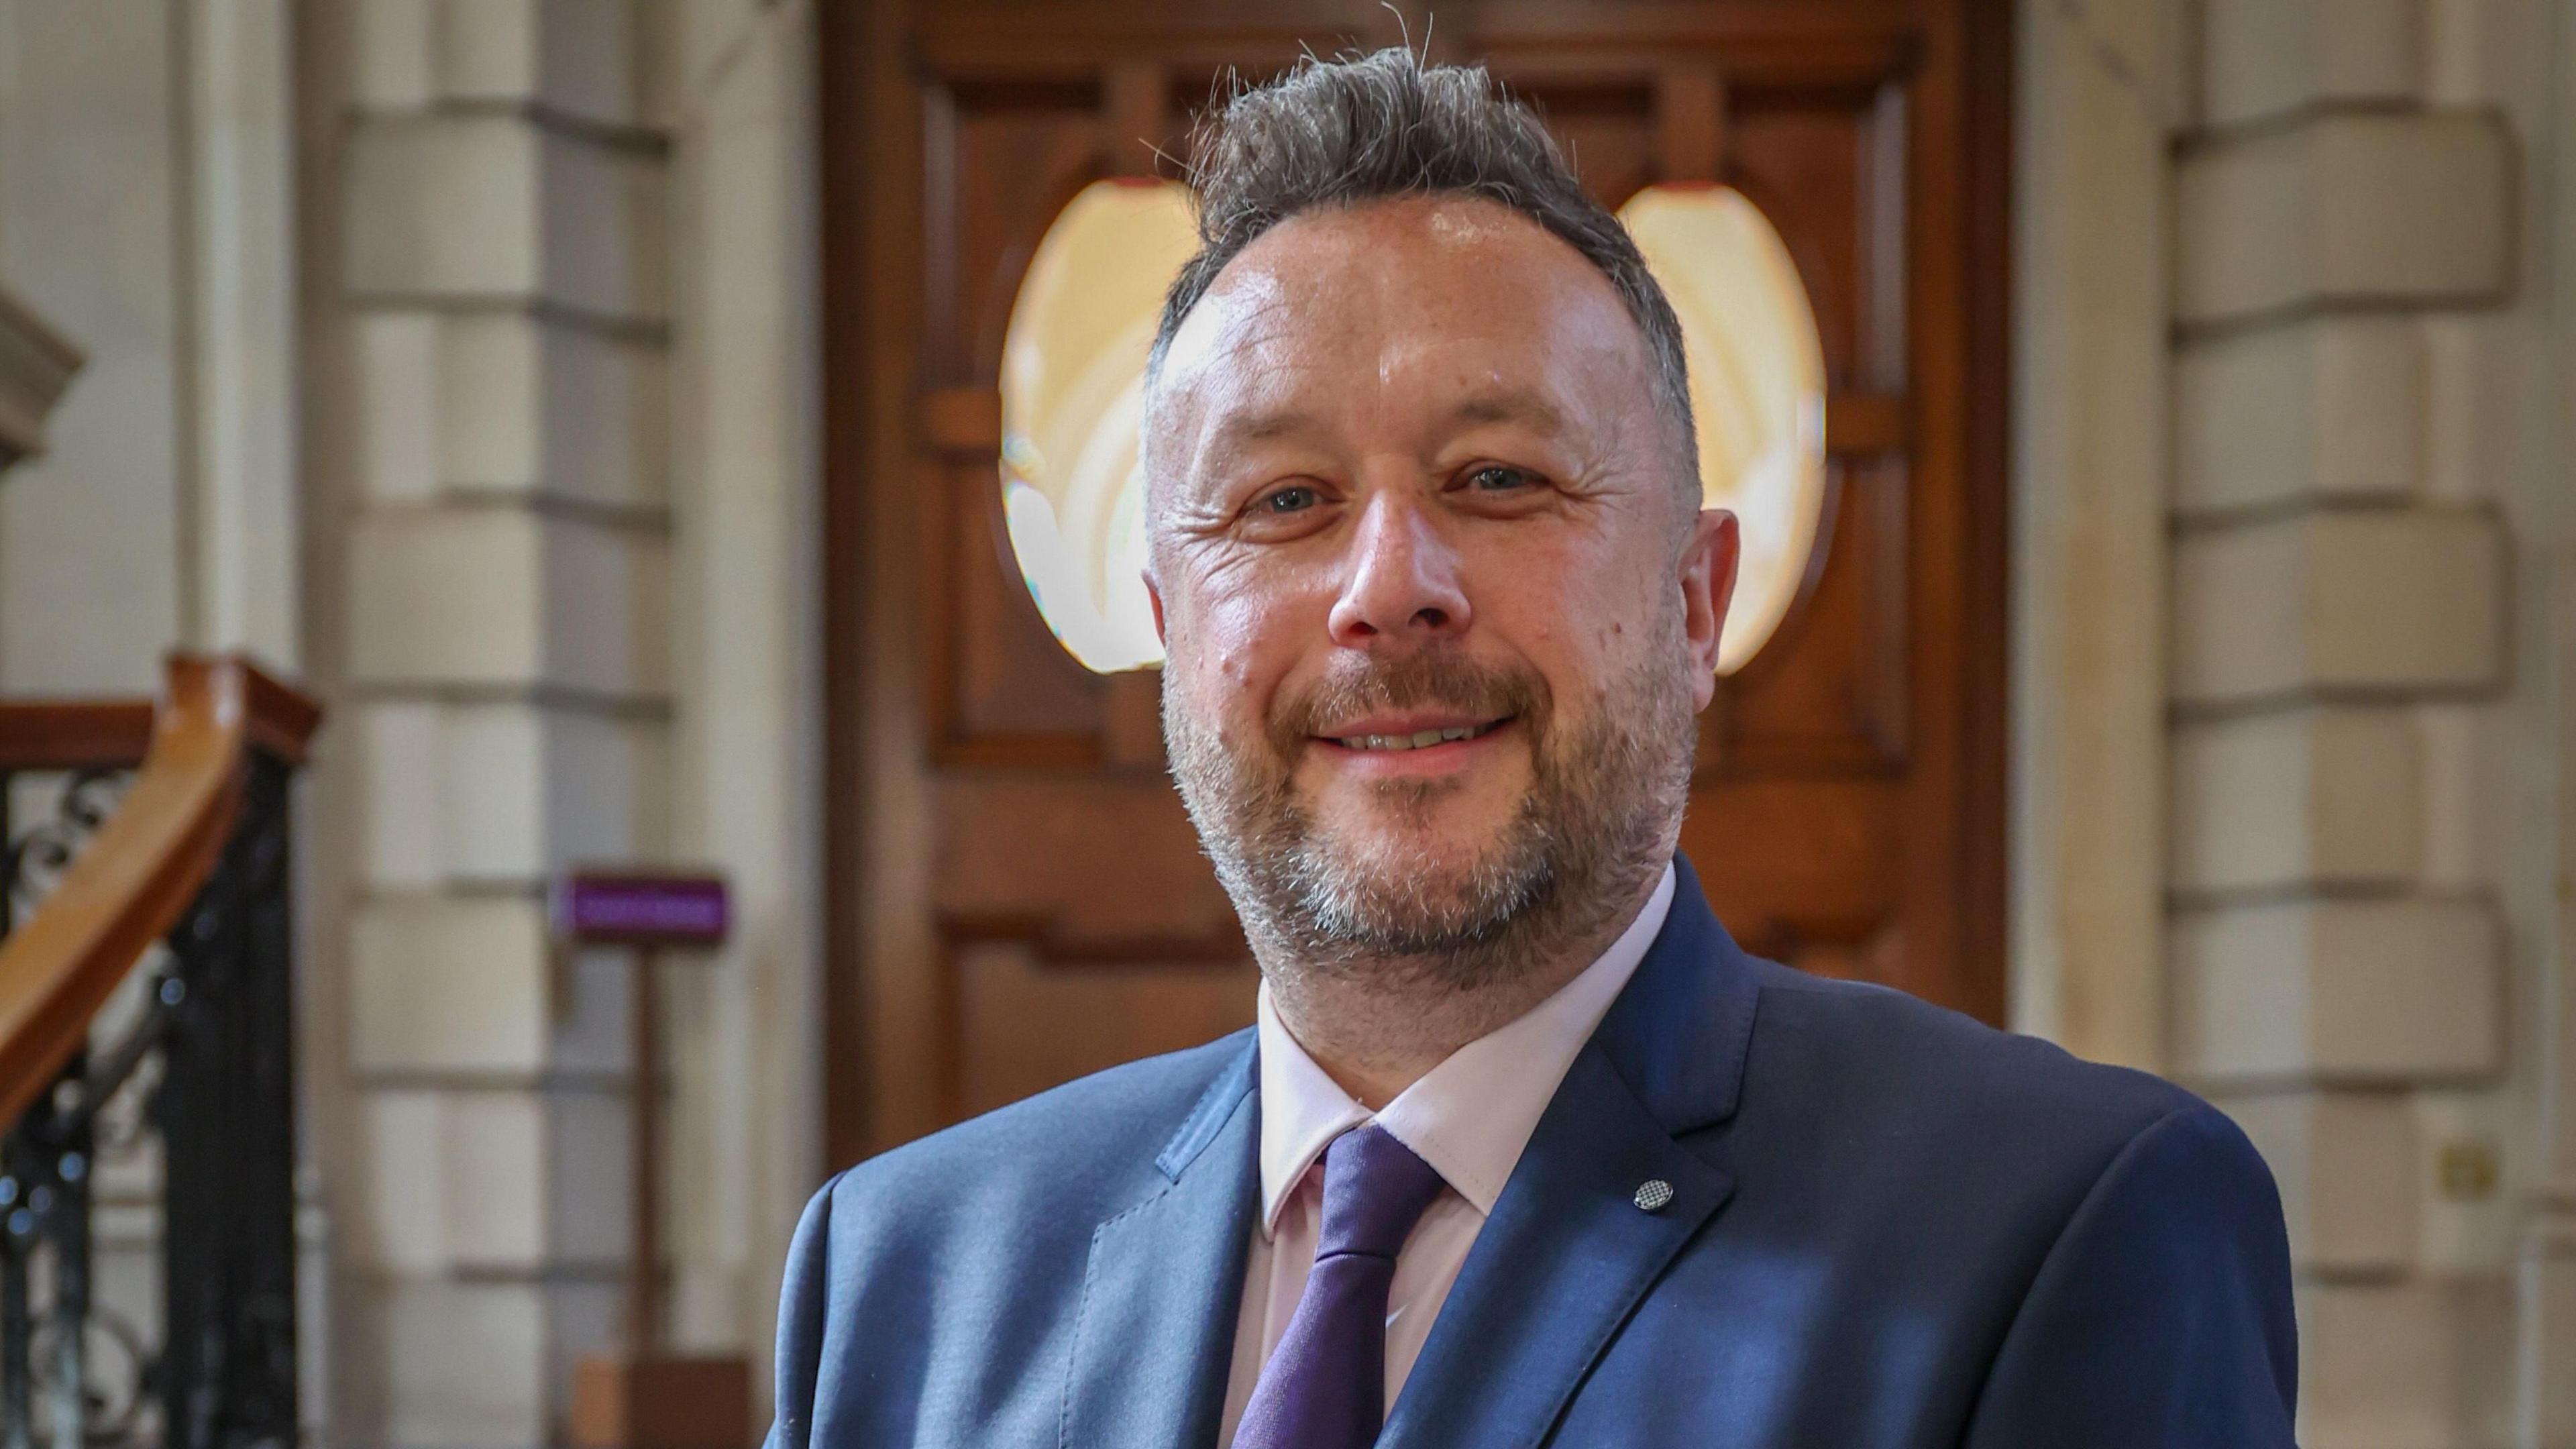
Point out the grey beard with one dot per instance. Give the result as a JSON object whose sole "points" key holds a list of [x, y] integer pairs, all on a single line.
{"points": [[1602, 815]]}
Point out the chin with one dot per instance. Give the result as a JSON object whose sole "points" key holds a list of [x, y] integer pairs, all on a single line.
{"points": [[1418, 832], [1424, 862]]}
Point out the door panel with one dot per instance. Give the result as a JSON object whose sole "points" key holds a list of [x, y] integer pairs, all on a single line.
{"points": [[1019, 897]]}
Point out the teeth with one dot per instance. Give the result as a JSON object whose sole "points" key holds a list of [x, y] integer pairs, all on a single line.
{"points": [[1417, 740]]}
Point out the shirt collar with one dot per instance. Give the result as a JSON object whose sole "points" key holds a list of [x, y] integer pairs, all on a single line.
{"points": [[1470, 1116]]}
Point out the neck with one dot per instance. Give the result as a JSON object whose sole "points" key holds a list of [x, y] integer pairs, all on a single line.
{"points": [[1378, 1026]]}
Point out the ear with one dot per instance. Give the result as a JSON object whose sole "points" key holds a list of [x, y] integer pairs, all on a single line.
{"points": [[1708, 587], [1154, 596]]}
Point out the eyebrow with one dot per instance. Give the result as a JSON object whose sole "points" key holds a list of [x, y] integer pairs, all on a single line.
{"points": [[1512, 406], [1242, 430], [1260, 428]]}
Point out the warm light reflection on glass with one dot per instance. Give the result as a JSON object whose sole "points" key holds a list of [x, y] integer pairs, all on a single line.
{"points": [[1073, 365], [1073, 375], [1757, 374]]}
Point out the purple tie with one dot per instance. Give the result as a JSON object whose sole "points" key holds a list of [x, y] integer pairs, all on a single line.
{"points": [[1325, 1384]]}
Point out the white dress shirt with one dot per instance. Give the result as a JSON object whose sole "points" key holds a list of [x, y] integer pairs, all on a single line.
{"points": [[1469, 1117]]}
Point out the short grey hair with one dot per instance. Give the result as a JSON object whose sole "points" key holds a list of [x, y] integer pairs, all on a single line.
{"points": [[1362, 128]]}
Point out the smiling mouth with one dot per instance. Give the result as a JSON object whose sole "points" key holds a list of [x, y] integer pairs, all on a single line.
{"points": [[1419, 739]]}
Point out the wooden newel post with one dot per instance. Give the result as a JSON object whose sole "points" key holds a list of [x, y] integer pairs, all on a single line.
{"points": [[642, 1396]]}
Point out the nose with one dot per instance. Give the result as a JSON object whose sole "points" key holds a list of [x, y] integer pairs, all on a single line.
{"points": [[1402, 587]]}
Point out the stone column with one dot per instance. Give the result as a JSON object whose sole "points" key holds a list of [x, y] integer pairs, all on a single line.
{"points": [[501, 327], [747, 657], [2101, 88], [2548, 566], [2336, 617]]}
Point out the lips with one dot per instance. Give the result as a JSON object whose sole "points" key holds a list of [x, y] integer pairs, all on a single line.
{"points": [[1399, 740], [1410, 713]]}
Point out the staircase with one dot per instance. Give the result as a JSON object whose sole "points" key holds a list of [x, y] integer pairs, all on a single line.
{"points": [[146, 1054]]}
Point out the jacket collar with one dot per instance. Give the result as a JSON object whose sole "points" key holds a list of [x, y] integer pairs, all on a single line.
{"points": [[1212, 1112], [1564, 1259], [1603, 1200], [1153, 1334], [1680, 1033]]}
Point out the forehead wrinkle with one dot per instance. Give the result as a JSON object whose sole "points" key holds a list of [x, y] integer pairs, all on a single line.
{"points": [[1238, 319], [1329, 294], [1240, 432]]}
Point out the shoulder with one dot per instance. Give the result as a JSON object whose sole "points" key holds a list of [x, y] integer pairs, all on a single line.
{"points": [[1913, 1077], [1093, 1139], [1960, 1158]]}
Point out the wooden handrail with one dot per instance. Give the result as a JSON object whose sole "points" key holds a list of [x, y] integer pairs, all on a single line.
{"points": [[133, 878], [76, 734]]}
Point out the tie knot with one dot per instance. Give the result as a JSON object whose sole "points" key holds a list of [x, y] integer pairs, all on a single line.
{"points": [[1375, 1190]]}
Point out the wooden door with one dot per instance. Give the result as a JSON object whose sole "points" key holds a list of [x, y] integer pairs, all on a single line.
{"points": [[1018, 897]]}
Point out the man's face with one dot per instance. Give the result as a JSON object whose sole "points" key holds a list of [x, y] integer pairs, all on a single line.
{"points": [[1437, 600]]}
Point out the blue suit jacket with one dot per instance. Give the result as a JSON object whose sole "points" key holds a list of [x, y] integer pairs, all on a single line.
{"points": [[1891, 1226]]}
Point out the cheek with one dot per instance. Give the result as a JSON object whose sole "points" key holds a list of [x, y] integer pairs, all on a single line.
{"points": [[1572, 611], [1236, 637]]}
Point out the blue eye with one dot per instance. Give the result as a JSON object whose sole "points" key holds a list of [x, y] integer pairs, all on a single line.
{"points": [[1290, 499]]}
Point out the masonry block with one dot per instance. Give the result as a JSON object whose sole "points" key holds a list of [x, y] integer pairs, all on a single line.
{"points": [[2405, 1364], [2343, 209], [467, 989], [2551, 1275], [577, 58], [2333, 407], [398, 405], [2346, 1166], [2302, 797], [509, 597], [479, 1363], [2338, 992], [510, 403], [393, 52], [493, 1181], [453, 596], [486, 210], [446, 206], [2262, 58], [2339, 602], [706, 34], [555, 409], [506, 792]]}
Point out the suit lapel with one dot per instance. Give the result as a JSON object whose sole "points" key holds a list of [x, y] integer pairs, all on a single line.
{"points": [[1569, 1251], [1557, 1269], [1152, 1338]]}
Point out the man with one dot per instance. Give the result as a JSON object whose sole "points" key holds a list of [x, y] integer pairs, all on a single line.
{"points": [[1522, 1150]]}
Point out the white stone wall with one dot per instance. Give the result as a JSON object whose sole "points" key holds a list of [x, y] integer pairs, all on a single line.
{"points": [[146, 209], [2294, 412], [497, 283], [561, 437], [747, 656], [522, 475], [87, 152], [458, 354]]}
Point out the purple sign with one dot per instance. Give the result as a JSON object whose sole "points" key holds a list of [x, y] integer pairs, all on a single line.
{"points": [[633, 908]]}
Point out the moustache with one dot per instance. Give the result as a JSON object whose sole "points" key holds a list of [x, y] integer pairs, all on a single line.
{"points": [[1427, 679]]}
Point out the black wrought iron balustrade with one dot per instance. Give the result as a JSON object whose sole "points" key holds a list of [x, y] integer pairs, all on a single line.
{"points": [[184, 1099]]}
